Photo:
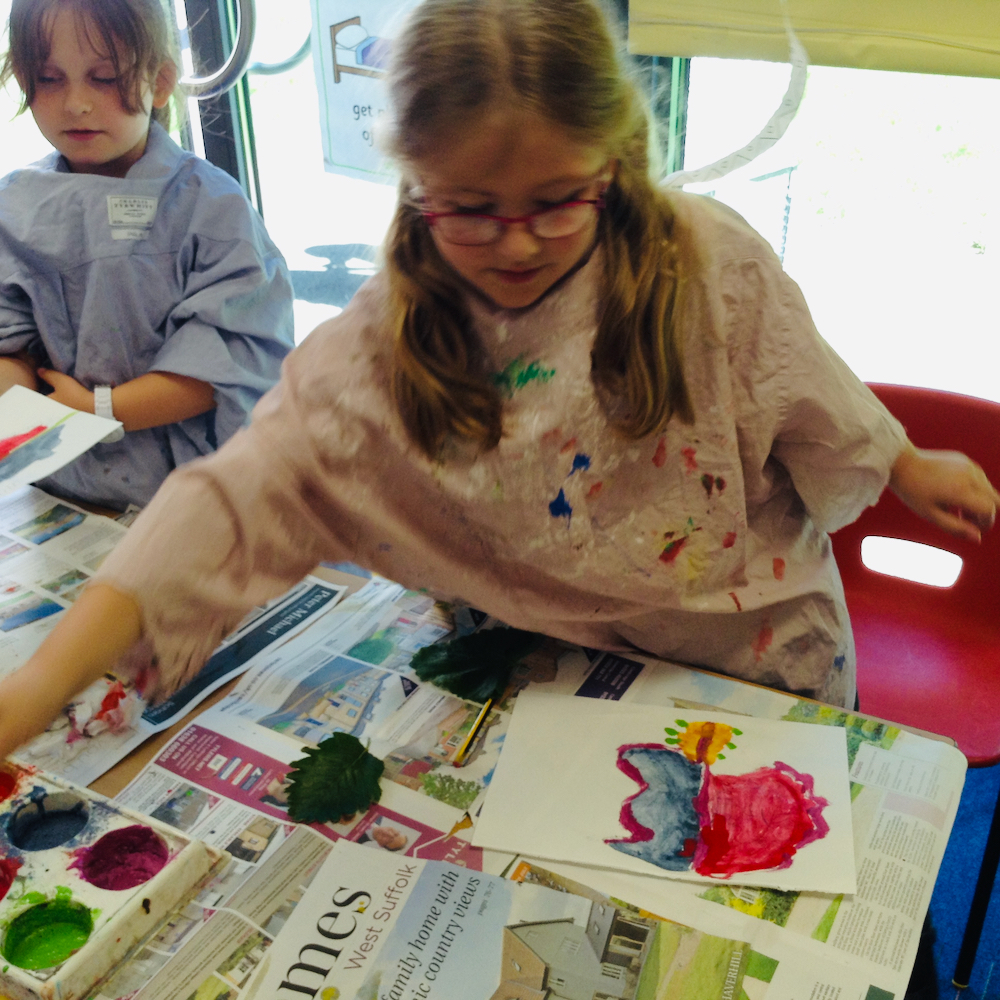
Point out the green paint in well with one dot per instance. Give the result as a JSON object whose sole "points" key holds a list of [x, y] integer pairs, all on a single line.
{"points": [[47, 934]]}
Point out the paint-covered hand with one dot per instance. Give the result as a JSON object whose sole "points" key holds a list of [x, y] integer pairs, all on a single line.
{"points": [[947, 488], [66, 390], [100, 627]]}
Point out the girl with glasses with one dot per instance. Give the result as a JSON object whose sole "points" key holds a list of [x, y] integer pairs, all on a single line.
{"points": [[586, 406]]}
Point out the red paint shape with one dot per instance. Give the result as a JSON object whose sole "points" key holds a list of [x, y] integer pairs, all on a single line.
{"points": [[720, 483], [779, 568], [707, 483], [111, 700], [660, 455], [122, 859], [756, 821], [8, 872], [690, 464], [7, 445], [762, 642], [736, 601], [669, 554], [594, 490], [730, 540], [568, 446]]}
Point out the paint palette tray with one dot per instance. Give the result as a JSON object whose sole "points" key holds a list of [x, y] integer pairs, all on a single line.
{"points": [[82, 883]]}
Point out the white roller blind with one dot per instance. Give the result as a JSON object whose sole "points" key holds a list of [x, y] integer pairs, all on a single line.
{"points": [[955, 37]]}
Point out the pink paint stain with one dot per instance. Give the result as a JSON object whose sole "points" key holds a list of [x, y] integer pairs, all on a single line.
{"points": [[690, 463], [660, 455], [122, 859], [7, 445], [8, 872], [552, 436], [594, 490], [730, 540], [670, 553], [736, 601], [779, 568], [568, 446], [764, 638], [756, 821]]}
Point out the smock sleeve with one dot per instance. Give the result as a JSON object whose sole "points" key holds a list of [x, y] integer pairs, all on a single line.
{"points": [[17, 322], [233, 529], [233, 325], [802, 406]]}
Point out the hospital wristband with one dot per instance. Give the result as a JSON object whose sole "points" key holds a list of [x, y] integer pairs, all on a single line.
{"points": [[102, 408]]}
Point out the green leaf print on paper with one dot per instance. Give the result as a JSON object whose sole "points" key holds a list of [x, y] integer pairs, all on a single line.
{"points": [[519, 373]]}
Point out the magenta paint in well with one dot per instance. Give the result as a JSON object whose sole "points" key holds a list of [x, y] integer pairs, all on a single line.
{"points": [[122, 859]]}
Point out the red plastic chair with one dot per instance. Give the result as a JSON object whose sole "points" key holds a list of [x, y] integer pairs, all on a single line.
{"points": [[930, 656]]}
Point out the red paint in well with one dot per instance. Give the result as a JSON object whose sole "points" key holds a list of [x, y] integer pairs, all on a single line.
{"points": [[8, 872], [122, 859], [7, 785]]}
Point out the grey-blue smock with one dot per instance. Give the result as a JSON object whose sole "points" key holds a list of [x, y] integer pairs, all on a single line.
{"points": [[168, 269]]}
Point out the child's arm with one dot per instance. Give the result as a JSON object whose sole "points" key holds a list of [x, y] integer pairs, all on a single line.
{"points": [[100, 627], [150, 400], [947, 488], [17, 369]]}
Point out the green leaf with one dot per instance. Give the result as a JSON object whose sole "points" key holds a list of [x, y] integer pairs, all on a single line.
{"points": [[335, 779], [476, 666]]}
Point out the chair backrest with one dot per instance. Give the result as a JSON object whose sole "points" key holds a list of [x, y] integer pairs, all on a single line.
{"points": [[929, 656], [933, 419]]}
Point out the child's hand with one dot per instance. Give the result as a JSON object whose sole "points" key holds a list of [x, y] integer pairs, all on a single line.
{"points": [[948, 489], [66, 390]]}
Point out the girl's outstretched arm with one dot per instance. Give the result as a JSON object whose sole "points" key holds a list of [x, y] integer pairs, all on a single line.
{"points": [[151, 400], [100, 627], [947, 488]]}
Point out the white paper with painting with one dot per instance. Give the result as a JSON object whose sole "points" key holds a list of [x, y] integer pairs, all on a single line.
{"points": [[658, 791], [39, 436]]}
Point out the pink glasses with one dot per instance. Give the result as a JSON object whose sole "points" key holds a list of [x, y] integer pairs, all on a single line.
{"points": [[474, 229]]}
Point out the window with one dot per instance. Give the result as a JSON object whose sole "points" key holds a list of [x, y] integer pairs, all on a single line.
{"points": [[882, 197]]}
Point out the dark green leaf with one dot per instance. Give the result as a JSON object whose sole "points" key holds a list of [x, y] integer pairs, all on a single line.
{"points": [[335, 779], [476, 666]]}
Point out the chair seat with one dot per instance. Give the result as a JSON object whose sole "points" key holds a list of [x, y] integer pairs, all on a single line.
{"points": [[951, 666]]}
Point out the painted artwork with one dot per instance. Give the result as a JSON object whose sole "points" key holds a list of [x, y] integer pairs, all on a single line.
{"points": [[684, 817], [39, 436], [710, 797]]}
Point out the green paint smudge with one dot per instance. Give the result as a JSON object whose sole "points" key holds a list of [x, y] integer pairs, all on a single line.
{"points": [[520, 373]]}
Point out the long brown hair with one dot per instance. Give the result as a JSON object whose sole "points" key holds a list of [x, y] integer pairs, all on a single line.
{"points": [[136, 35], [455, 60]]}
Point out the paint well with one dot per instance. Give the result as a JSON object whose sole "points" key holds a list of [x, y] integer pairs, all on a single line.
{"points": [[44, 936], [47, 821], [122, 859]]}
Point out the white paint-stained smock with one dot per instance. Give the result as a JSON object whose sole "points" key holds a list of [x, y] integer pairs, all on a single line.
{"points": [[706, 543], [168, 269]]}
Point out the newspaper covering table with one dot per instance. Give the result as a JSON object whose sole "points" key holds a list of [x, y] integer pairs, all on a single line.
{"points": [[223, 778]]}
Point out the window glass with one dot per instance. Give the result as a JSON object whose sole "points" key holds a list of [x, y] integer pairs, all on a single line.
{"points": [[328, 226], [882, 199]]}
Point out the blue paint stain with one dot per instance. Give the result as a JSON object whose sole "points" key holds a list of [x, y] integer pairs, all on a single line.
{"points": [[581, 463], [838, 662], [560, 506], [662, 818]]}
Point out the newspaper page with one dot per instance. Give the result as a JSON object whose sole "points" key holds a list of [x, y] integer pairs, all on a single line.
{"points": [[905, 791], [49, 549], [351, 673], [371, 926]]}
